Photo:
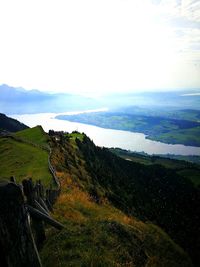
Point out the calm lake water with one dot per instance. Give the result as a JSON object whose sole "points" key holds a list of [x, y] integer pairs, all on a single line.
{"points": [[106, 137]]}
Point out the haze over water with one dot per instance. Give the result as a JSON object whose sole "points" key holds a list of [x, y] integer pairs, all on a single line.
{"points": [[106, 137]]}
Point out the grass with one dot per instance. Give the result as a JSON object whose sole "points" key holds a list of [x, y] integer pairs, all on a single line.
{"points": [[75, 135], [35, 135], [186, 169], [101, 235], [23, 161], [190, 137], [150, 160], [94, 234], [192, 174]]}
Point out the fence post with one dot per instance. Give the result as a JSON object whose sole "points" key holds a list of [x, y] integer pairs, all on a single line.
{"points": [[16, 241], [12, 179], [38, 226]]}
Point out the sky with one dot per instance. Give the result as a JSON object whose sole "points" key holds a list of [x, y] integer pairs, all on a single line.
{"points": [[100, 46]]}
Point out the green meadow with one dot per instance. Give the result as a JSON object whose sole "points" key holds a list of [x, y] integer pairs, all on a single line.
{"points": [[35, 135], [188, 170], [23, 160]]}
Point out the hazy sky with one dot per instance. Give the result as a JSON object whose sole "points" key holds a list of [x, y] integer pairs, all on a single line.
{"points": [[100, 45]]}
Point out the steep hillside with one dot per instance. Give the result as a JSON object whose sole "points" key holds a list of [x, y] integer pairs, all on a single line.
{"points": [[35, 135], [187, 169], [152, 193], [115, 212], [10, 125], [23, 157], [101, 235], [112, 210]]}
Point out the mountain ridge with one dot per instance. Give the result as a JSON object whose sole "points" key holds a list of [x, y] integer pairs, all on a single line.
{"points": [[20, 101], [113, 210], [8, 124], [144, 192]]}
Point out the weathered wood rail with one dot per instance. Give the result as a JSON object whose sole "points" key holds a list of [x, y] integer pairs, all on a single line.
{"points": [[23, 211], [53, 172], [17, 244]]}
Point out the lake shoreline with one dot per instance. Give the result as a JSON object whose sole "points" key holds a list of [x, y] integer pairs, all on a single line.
{"points": [[157, 139], [136, 142]]}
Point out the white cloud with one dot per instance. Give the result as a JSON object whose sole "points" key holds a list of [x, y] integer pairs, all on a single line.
{"points": [[93, 45]]}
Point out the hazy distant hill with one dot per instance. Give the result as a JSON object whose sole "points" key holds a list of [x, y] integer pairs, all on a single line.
{"points": [[10, 125], [20, 101], [159, 100]]}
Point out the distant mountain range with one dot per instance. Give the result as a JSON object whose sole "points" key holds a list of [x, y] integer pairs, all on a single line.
{"points": [[17, 100], [20, 101]]}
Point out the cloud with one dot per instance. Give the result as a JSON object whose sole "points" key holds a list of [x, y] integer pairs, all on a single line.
{"points": [[185, 13], [182, 17], [102, 45], [191, 10]]}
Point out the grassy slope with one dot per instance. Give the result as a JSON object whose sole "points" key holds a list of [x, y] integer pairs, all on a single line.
{"points": [[97, 234], [23, 160], [35, 135], [192, 174], [152, 192], [75, 135], [186, 137], [186, 169], [100, 235]]}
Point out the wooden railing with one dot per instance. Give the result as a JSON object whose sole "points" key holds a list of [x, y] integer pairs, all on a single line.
{"points": [[53, 172], [18, 203]]}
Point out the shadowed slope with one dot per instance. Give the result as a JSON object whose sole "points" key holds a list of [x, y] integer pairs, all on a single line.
{"points": [[97, 233]]}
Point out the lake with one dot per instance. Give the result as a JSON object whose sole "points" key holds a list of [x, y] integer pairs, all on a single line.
{"points": [[106, 137]]}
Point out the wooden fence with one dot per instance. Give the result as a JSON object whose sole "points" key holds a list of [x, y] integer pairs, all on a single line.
{"points": [[24, 211]]}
